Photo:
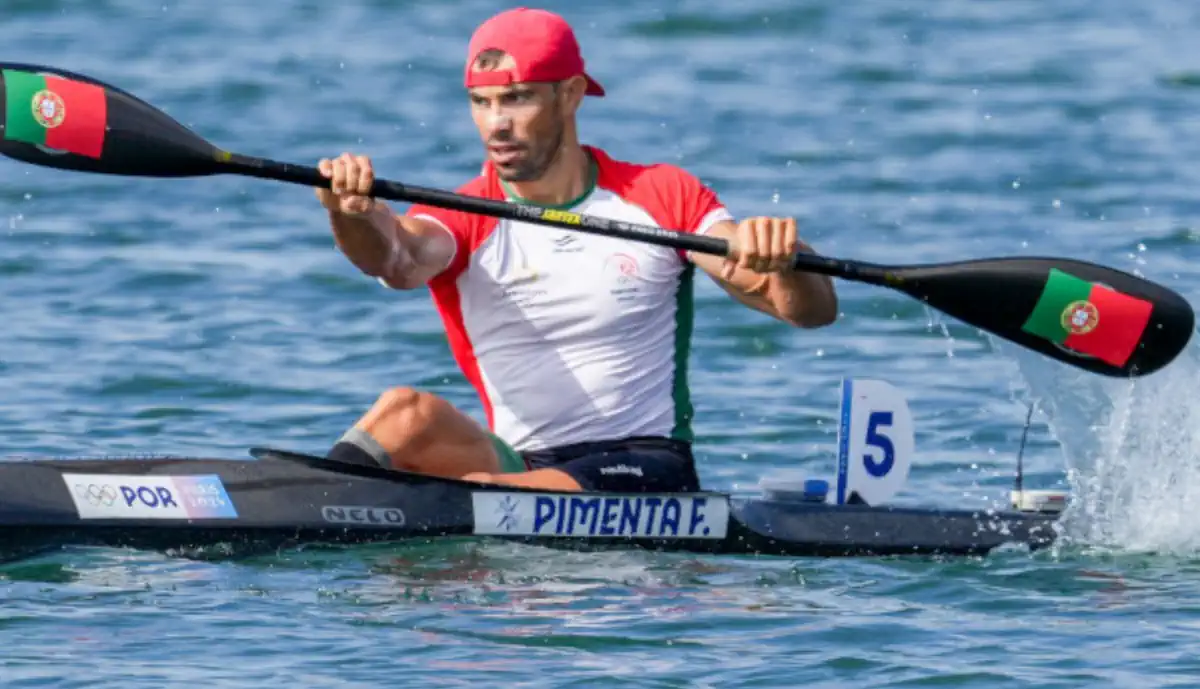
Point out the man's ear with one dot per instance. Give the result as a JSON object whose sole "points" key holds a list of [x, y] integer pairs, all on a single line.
{"points": [[572, 92]]}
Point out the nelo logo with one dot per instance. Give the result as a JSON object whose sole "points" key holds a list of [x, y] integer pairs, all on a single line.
{"points": [[363, 515]]}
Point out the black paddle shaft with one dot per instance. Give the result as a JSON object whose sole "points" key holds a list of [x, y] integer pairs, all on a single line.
{"points": [[396, 191]]}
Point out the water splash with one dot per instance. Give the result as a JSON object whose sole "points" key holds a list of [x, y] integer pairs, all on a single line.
{"points": [[1132, 453]]}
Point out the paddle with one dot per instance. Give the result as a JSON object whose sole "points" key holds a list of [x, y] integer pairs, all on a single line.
{"points": [[1086, 315]]}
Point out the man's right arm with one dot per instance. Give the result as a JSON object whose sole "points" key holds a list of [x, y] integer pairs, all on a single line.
{"points": [[402, 251]]}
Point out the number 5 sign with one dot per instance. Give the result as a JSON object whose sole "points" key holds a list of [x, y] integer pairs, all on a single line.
{"points": [[875, 441]]}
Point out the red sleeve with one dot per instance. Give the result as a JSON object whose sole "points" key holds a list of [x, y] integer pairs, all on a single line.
{"points": [[692, 206], [696, 206], [468, 229], [674, 197]]}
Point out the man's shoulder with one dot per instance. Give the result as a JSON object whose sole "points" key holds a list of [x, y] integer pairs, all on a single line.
{"points": [[482, 186], [672, 195], [620, 172]]}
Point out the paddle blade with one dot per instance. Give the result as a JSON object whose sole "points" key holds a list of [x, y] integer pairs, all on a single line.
{"points": [[60, 119], [1086, 315]]}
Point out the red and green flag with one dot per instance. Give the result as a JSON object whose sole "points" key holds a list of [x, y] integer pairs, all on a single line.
{"points": [[1089, 318], [57, 113]]}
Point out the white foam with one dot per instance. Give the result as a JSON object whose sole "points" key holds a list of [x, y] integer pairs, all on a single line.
{"points": [[1131, 450]]}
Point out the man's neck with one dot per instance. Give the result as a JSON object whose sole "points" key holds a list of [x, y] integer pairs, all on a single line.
{"points": [[567, 178]]}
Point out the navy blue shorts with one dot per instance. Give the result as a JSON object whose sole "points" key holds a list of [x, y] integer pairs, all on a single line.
{"points": [[629, 465]]}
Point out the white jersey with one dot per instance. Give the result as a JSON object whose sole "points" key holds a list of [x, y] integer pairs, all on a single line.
{"points": [[570, 337]]}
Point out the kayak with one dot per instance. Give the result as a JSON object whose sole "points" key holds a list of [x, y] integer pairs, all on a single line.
{"points": [[275, 499], [278, 499]]}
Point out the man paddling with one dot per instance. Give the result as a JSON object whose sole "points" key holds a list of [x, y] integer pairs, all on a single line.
{"points": [[576, 344]]}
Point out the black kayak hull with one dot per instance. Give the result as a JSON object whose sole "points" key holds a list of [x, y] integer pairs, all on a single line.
{"points": [[224, 507]]}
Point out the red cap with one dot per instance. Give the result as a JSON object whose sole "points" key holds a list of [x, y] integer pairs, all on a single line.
{"points": [[541, 44]]}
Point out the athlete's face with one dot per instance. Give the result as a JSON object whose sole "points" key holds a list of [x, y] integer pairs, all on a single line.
{"points": [[522, 125]]}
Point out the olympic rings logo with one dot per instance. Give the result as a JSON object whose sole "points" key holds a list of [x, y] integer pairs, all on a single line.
{"points": [[96, 494]]}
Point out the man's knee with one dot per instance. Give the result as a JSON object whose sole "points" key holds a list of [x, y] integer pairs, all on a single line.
{"points": [[412, 409], [411, 419], [399, 400]]}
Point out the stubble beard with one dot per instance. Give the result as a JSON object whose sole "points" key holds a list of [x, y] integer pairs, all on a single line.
{"points": [[539, 161]]}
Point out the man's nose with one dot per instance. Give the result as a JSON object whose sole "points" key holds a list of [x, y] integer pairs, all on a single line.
{"points": [[498, 121]]}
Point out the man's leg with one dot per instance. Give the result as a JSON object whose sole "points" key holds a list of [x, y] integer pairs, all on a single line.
{"points": [[628, 466], [419, 432], [546, 479]]}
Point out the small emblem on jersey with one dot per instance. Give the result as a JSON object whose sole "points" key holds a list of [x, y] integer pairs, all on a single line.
{"points": [[624, 265], [524, 272], [567, 244], [625, 274]]}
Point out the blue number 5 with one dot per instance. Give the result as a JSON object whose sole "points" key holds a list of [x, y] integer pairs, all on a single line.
{"points": [[879, 468]]}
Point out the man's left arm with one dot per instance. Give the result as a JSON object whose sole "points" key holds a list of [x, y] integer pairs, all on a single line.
{"points": [[759, 275]]}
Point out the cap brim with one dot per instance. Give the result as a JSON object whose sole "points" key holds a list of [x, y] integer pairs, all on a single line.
{"points": [[593, 87]]}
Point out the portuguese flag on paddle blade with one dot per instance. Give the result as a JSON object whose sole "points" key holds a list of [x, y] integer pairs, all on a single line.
{"points": [[57, 113], [1089, 318]]}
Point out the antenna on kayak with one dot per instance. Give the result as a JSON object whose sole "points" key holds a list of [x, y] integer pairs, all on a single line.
{"points": [[1020, 480], [1047, 501]]}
